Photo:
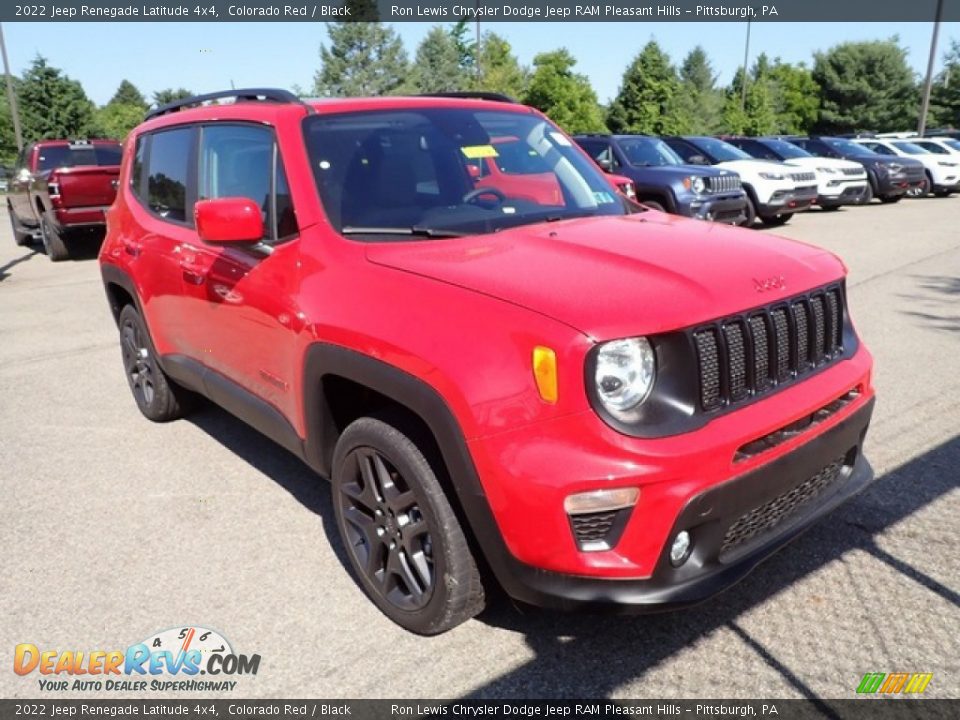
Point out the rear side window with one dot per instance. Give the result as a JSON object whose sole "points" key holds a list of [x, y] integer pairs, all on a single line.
{"points": [[243, 161], [167, 173]]}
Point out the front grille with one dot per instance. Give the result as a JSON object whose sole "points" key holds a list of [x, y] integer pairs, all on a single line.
{"points": [[592, 527], [803, 177], [722, 183], [852, 171], [766, 517], [746, 355], [913, 172]]}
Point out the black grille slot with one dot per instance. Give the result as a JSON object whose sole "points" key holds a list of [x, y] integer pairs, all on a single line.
{"points": [[709, 358], [819, 329], [748, 354], [782, 333], [834, 327], [763, 519], [761, 353], [803, 336], [737, 359]]}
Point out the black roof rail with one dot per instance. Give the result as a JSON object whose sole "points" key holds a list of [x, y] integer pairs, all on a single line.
{"points": [[275, 95], [472, 95]]}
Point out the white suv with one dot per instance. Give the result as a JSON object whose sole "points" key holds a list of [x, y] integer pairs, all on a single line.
{"points": [[839, 182], [942, 172], [774, 190]]}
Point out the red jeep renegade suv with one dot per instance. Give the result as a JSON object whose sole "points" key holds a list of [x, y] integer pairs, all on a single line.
{"points": [[600, 404]]}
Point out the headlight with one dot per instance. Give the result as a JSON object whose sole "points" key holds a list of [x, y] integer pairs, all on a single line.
{"points": [[895, 168], [828, 171], [771, 176], [697, 185], [624, 375]]}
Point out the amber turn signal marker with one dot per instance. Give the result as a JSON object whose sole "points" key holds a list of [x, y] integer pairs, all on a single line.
{"points": [[545, 372]]}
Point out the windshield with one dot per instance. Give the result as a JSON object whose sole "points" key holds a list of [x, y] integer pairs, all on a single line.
{"points": [[786, 150], [60, 156], [437, 172], [848, 148], [719, 150], [648, 151], [910, 148], [955, 144]]}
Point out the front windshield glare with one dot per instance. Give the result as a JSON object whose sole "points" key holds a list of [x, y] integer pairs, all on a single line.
{"points": [[429, 172], [850, 148], [910, 148], [787, 150], [649, 151], [721, 151]]}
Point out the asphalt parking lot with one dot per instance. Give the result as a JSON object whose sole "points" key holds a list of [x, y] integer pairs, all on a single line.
{"points": [[114, 528]]}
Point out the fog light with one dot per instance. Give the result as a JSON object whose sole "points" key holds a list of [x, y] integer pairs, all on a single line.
{"points": [[680, 550]]}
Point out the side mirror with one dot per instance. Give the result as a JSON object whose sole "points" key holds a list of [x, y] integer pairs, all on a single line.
{"points": [[24, 175], [228, 220], [605, 163], [697, 160]]}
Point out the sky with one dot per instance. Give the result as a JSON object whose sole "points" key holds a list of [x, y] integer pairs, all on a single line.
{"points": [[206, 57]]}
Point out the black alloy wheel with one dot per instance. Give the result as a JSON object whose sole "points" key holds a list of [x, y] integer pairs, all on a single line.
{"points": [[386, 530]]}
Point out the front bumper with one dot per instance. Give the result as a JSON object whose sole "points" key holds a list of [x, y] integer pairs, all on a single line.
{"points": [[729, 208], [788, 201], [709, 517], [843, 193]]}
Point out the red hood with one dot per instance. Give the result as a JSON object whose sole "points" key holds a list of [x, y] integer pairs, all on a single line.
{"points": [[619, 276]]}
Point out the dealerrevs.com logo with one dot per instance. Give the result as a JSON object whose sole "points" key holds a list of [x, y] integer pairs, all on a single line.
{"points": [[170, 660]]}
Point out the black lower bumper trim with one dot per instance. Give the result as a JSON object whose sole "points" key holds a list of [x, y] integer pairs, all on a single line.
{"points": [[708, 517]]}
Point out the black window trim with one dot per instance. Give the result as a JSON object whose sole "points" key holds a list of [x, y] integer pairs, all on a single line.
{"points": [[142, 196]]}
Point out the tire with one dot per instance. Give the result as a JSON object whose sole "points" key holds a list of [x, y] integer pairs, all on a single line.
{"points": [[654, 205], [829, 208], [750, 213], [867, 196], [159, 398], [776, 220], [890, 199], [405, 544], [943, 193], [20, 237], [53, 243]]}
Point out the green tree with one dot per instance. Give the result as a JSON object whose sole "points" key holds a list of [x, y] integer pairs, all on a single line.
{"points": [[437, 65], [128, 94], [116, 119], [699, 100], [945, 94], [500, 71], [169, 95], [758, 116], [8, 138], [865, 86], [465, 46], [364, 58], [565, 96], [52, 105], [796, 97], [648, 100]]}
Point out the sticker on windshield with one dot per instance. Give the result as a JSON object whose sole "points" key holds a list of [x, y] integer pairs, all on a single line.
{"points": [[603, 198], [474, 152], [560, 139]]}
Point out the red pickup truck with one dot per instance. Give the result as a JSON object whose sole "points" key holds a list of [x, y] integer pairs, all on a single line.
{"points": [[61, 189]]}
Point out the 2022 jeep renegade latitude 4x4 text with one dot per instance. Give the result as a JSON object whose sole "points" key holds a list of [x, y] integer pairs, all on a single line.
{"points": [[583, 400]]}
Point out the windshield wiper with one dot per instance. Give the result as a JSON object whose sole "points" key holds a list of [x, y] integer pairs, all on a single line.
{"points": [[415, 231]]}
